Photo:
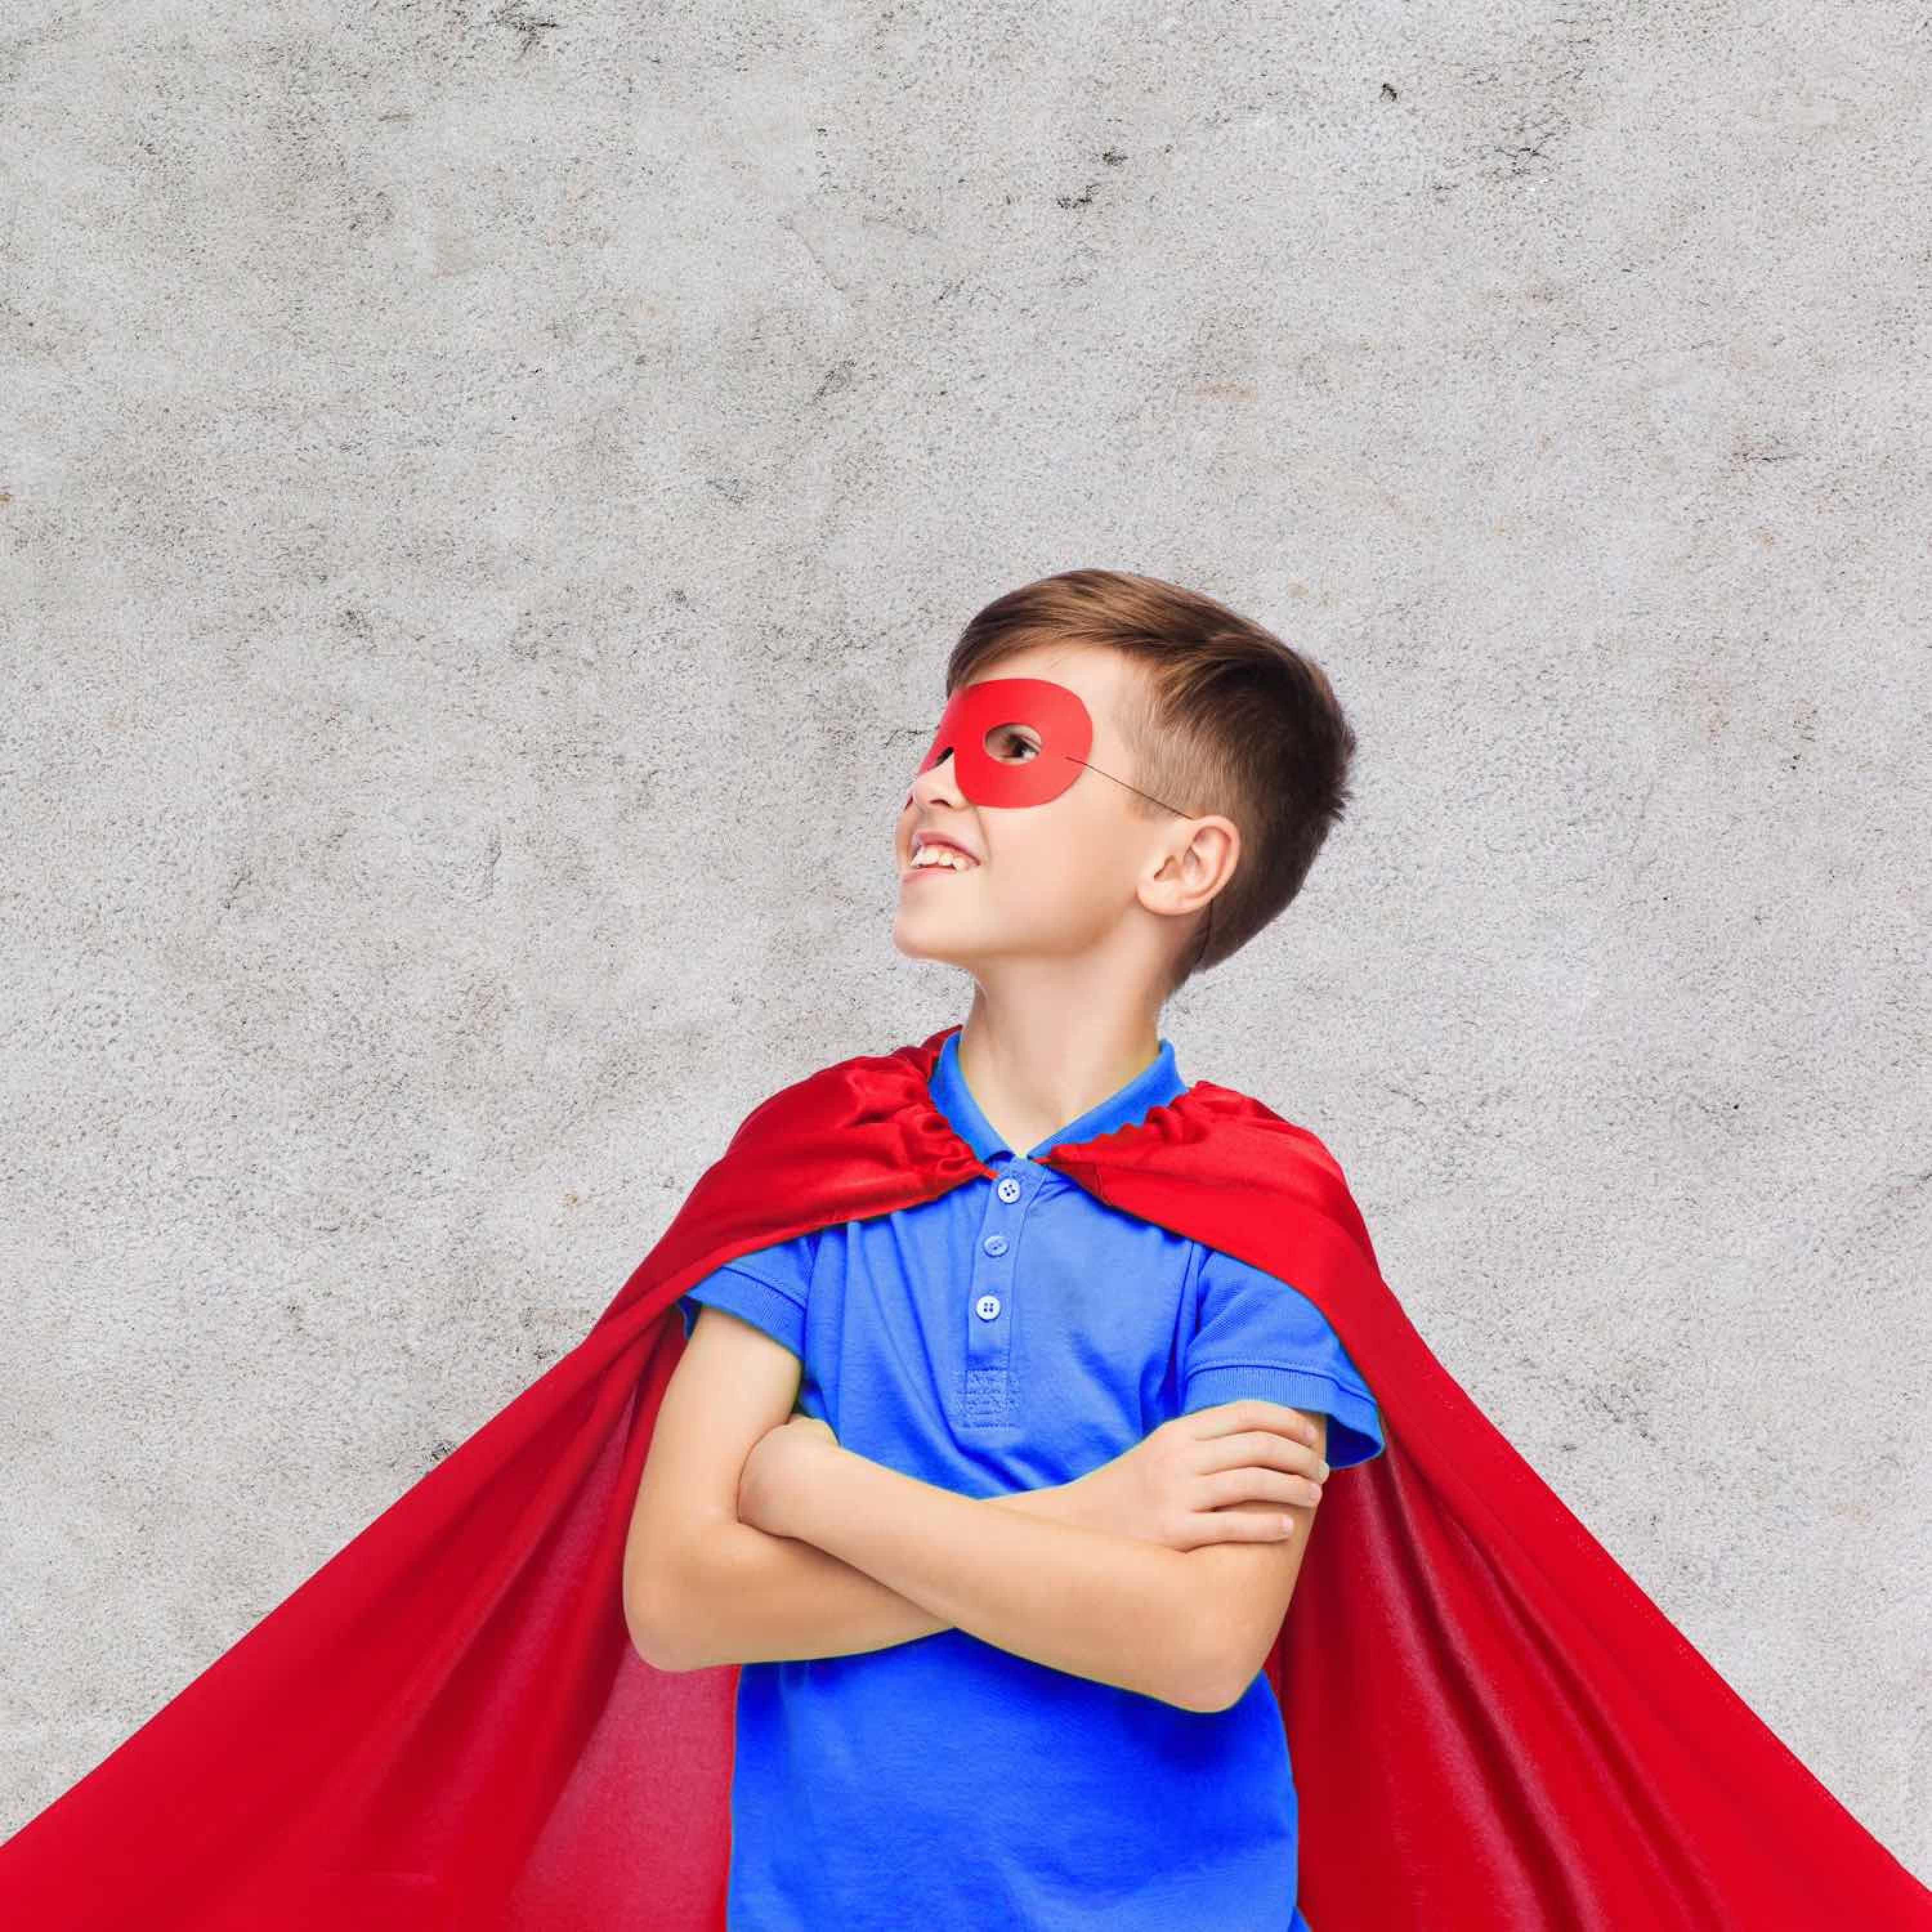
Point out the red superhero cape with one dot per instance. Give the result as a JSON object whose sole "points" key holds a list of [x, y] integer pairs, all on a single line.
{"points": [[446, 1728]]}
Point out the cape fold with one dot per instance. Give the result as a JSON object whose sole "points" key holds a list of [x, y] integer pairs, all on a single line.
{"points": [[446, 1728]]}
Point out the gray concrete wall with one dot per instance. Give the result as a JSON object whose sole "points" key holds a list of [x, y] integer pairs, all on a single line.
{"points": [[486, 492]]}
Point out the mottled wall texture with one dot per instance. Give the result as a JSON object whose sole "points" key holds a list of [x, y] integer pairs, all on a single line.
{"points": [[486, 492]]}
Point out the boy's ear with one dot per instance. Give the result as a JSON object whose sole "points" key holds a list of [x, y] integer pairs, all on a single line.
{"points": [[1196, 866]]}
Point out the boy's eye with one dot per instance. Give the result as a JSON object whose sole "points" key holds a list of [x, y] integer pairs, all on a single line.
{"points": [[1012, 744]]}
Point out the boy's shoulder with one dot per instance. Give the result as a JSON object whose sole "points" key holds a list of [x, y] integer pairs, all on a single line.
{"points": [[875, 1109], [855, 1089]]}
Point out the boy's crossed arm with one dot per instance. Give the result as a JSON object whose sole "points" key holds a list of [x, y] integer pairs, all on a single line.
{"points": [[700, 1587], [834, 1554]]}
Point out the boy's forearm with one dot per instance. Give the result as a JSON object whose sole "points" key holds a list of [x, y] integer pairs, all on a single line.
{"points": [[756, 1598], [1065, 1594]]}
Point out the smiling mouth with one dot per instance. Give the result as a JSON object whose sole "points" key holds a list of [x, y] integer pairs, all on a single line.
{"points": [[943, 866]]}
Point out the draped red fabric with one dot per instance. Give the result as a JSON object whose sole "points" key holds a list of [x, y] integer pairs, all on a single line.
{"points": [[446, 1728]]}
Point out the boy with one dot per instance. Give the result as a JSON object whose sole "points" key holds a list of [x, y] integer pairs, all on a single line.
{"points": [[456, 1723], [951, 1716]]}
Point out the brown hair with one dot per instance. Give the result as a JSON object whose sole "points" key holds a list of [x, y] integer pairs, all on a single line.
{"points": [[1231, 720]]}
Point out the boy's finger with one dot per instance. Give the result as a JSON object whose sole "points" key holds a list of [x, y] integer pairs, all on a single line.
{"points": [[1286, 1421], [1255, 1411]]}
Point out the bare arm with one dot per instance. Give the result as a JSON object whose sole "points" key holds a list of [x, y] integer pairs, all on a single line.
{"points": [[755, 1597], [1089, 1601], [700, 1587], [1245, 1588]]}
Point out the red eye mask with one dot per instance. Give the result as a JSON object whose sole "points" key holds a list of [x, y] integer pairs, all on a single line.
{"points": [[999, 766]]}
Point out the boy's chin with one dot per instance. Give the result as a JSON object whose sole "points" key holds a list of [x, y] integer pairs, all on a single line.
{"points": [[915, 945], [928, 939]]}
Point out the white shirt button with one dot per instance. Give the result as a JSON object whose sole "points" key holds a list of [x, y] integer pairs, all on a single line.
{"points": [[995, 1244], [1009, 1189], [986, 1307]]}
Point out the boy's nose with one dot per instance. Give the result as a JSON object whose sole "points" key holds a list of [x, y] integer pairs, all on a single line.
{"points": [[938, 783]]}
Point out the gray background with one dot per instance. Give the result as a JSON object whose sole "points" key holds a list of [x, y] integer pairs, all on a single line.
{"points": [[487, 493]]}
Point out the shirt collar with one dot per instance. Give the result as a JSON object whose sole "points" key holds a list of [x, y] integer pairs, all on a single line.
{"points": [[1158, 1081]]}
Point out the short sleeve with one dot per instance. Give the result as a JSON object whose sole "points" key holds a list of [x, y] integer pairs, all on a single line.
{"points": [[1256, 1336], [768, 1288]]}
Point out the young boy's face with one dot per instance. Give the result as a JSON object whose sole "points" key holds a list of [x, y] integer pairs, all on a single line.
{"points": [[1059, 853]]}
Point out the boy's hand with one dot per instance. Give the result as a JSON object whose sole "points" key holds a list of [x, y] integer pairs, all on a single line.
{"points": [[774, 1457], [1174, 1486]]}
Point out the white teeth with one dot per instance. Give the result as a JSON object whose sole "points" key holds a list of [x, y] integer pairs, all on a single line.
{"points": [[941, 855]]}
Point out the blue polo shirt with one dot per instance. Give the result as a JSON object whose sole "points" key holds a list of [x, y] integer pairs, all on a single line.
{"points": [[1015, 1332]]}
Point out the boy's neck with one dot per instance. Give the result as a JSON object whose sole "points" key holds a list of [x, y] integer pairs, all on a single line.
{"points": [[1031, 1072]]}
